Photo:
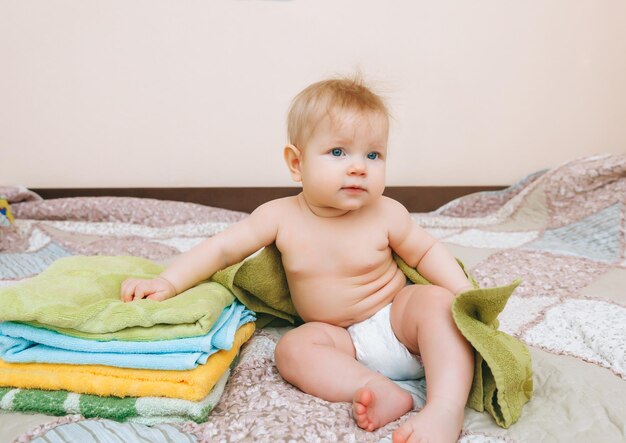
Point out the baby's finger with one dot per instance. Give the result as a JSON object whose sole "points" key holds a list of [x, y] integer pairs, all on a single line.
{"points": [[157, 296], [140, 292], [127, 282], [127, 290]]}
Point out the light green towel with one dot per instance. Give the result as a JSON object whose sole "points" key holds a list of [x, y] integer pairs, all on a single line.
{"points": [[503, 373], [80, 296]]}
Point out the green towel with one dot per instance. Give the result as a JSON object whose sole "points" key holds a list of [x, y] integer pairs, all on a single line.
{"points": [[503, 373], [503, 378], [147, 410], [261, 285], [80, 296]]}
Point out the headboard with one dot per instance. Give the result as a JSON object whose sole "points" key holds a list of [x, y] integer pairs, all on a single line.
{"points": [[414, 198]]}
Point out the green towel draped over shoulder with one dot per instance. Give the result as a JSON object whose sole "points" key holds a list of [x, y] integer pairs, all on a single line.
{"points": [[503, 372]]}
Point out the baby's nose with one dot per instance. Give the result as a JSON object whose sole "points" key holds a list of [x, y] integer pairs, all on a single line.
{"points": [[357, 167]]}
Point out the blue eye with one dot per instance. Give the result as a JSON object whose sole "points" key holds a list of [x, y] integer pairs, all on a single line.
{"points": [[337, 152], [373, 155]]}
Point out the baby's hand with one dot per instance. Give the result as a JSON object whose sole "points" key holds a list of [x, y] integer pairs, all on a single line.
{"points": [[155, 289]]}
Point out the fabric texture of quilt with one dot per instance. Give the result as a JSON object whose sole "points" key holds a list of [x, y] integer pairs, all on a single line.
{"points": [[561, 231]]}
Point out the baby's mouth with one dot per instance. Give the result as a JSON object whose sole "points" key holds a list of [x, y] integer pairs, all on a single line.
{"points": [[353, 189]]}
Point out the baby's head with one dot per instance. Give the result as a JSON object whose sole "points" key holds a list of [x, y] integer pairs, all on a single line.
{"points": [[331, 98], [338, 145]]}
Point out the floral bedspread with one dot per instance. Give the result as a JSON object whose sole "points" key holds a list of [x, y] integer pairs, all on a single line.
{"points": [[562, 231]]}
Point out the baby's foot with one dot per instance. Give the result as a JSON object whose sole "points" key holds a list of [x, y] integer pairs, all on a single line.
{"points": [[433, 424], [379, 402]]}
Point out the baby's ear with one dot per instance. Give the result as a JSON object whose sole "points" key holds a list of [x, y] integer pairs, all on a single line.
{"points": [[293, 158]]}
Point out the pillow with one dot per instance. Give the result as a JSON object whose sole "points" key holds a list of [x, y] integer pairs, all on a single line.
{"points": [[6, 218]]}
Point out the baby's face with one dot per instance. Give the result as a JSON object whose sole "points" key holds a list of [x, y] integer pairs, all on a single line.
{"points": [[343, 161]]}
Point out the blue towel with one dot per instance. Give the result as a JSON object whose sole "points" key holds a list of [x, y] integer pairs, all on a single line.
{"points": [[20, 343]]}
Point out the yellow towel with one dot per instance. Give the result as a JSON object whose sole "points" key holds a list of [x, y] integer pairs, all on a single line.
{"points": [[191, 385]]}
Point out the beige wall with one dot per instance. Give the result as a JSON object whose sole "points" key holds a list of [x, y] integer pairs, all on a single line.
{"points": [[135, 93]]}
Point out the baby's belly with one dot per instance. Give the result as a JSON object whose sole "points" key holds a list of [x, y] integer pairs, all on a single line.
{"points": [[340, 303]]}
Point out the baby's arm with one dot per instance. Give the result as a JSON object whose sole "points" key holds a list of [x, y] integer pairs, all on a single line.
{"points": [[422, 251], [199, 263]]}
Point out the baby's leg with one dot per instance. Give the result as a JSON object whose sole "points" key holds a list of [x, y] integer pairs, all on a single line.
{"points": [[422, 320], [320, 359]]}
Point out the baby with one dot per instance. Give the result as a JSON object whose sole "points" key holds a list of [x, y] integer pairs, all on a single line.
{"points": [[364, 326]]}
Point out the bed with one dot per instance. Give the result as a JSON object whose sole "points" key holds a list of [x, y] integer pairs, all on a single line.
{"points": [[562, 231]]}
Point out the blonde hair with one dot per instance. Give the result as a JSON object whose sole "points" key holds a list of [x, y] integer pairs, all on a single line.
{"points": [[322, 98]]}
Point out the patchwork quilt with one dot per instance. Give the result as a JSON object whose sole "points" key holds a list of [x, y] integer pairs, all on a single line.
{"points": [[563, 231]]}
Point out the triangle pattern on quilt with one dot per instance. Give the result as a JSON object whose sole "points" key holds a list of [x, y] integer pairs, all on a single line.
{"points": [[596, 236], [19, 265]]}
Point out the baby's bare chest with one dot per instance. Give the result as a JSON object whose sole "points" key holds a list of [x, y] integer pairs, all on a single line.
{"points": [[323, 249]]}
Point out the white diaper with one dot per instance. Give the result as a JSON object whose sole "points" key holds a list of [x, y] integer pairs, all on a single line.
{"points": [[378, 348]]}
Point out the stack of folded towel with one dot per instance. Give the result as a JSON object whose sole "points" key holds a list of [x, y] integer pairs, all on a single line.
{"points": [[69, 345]]}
